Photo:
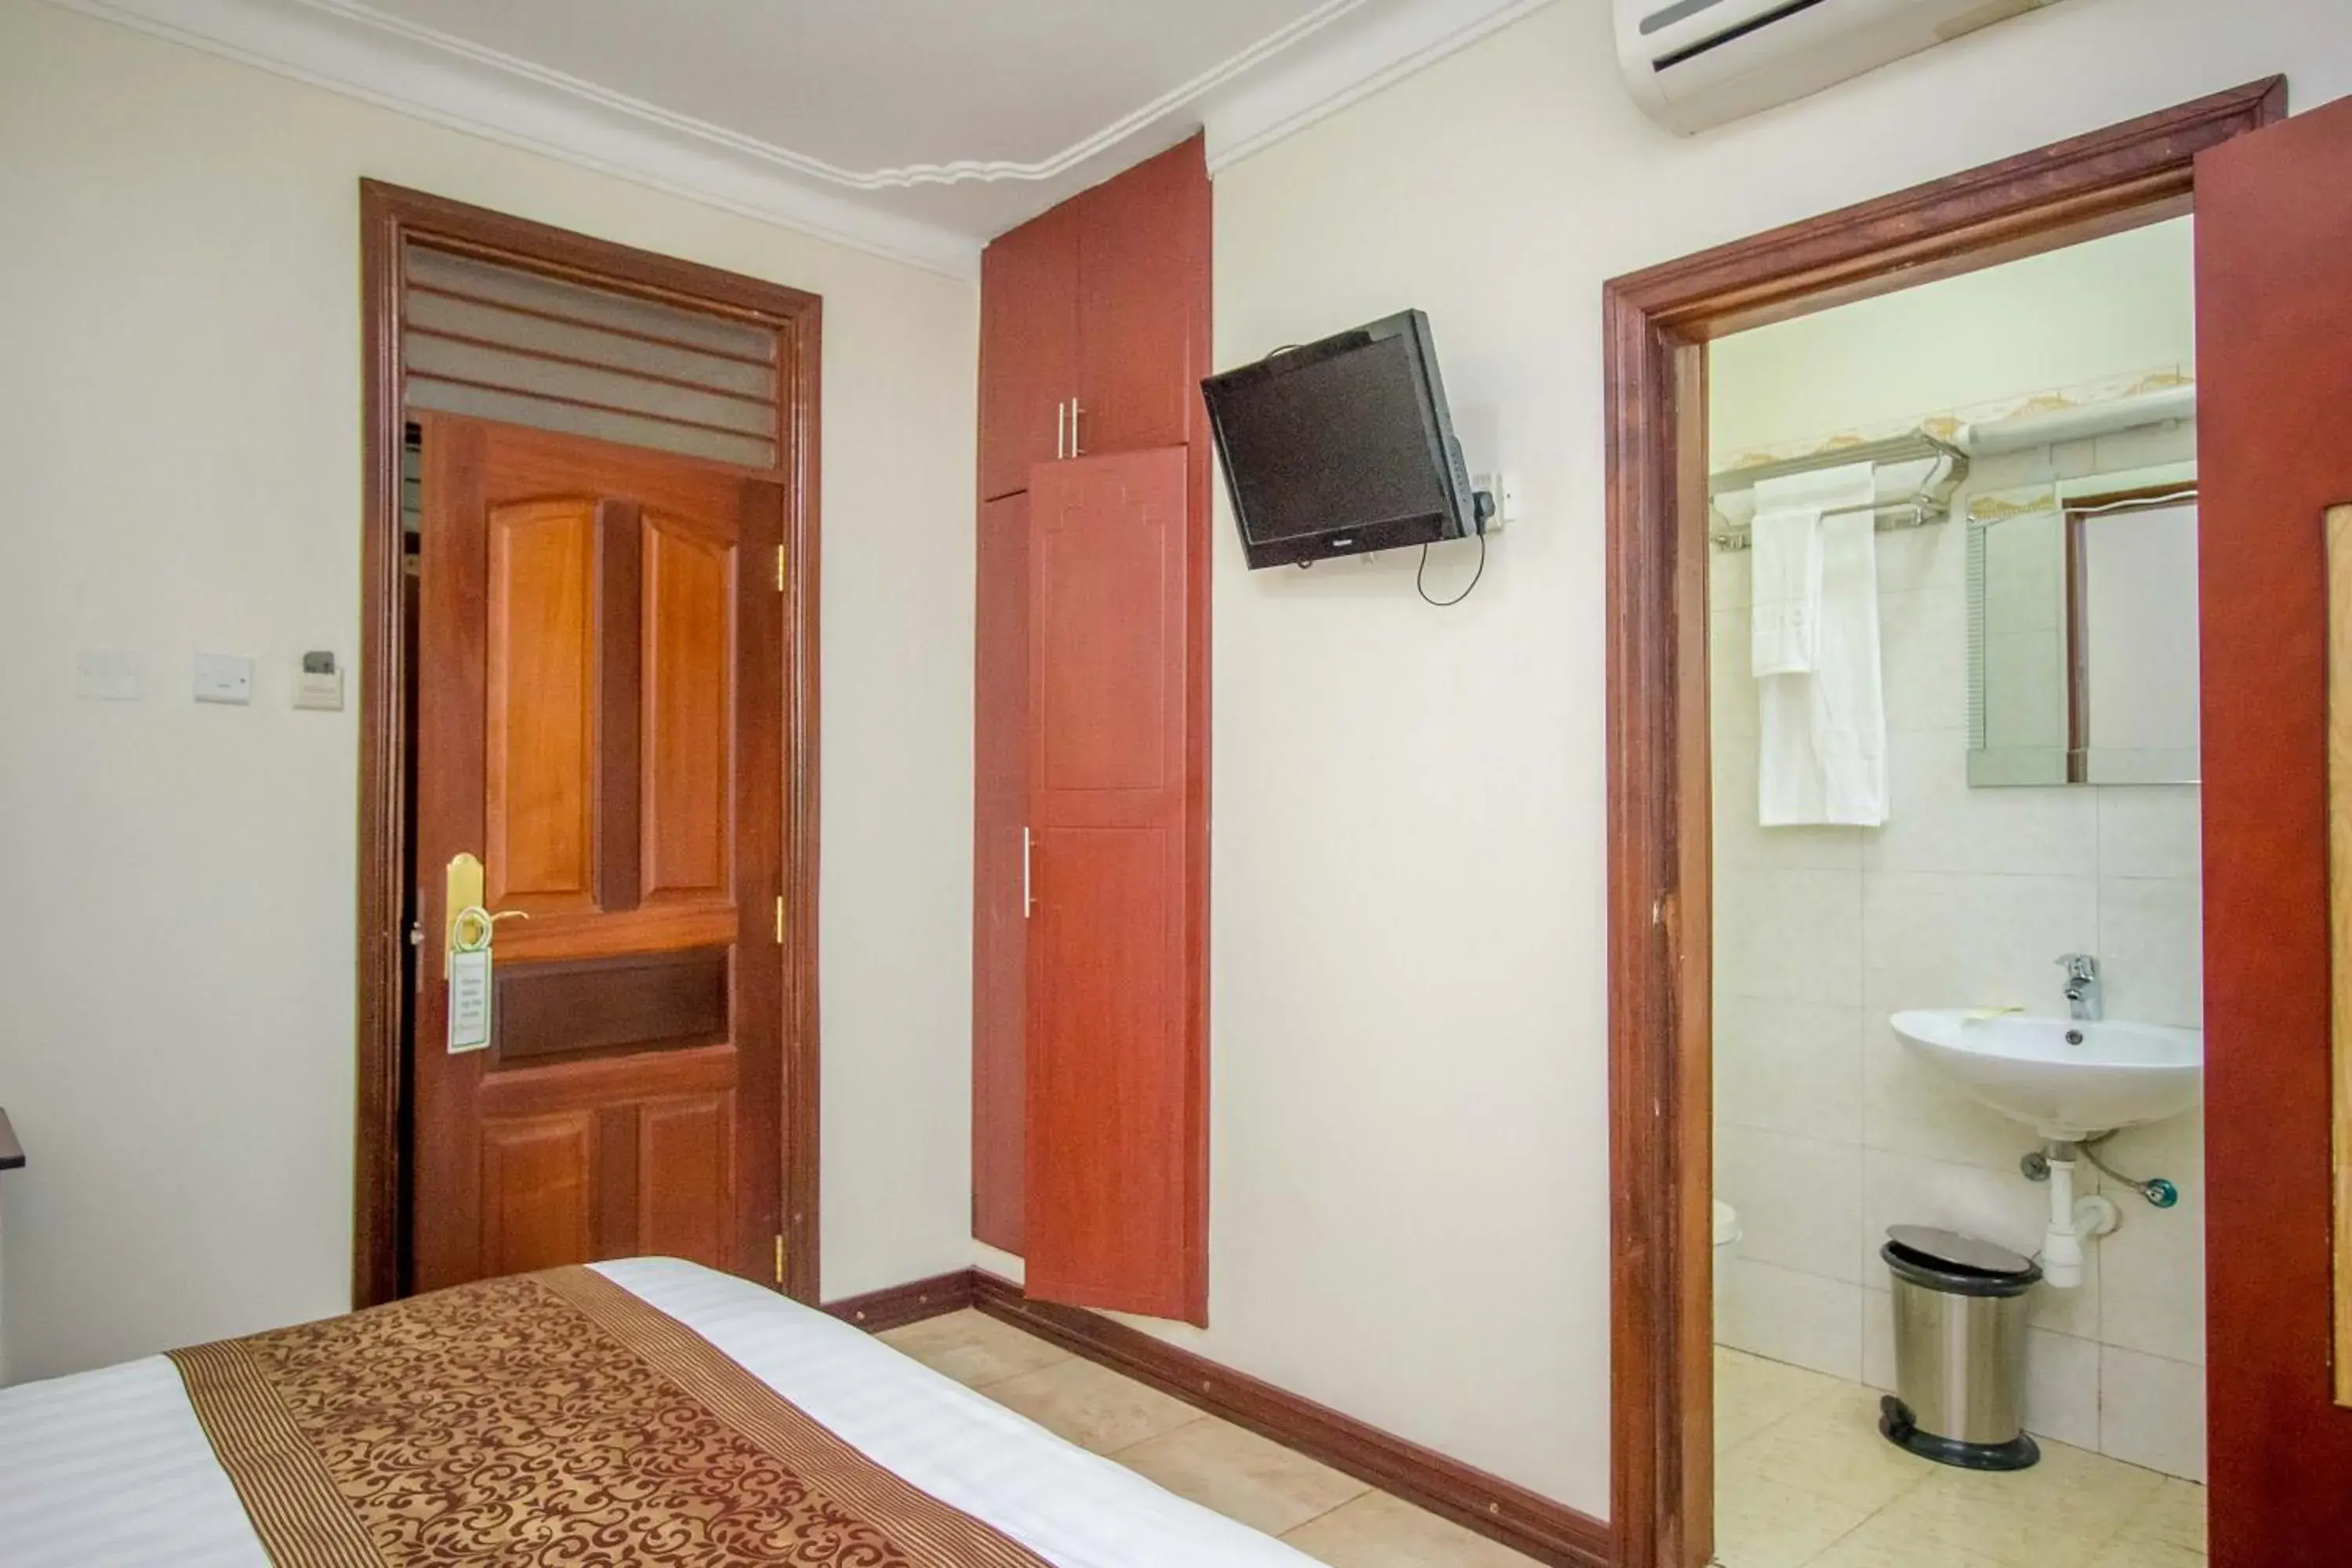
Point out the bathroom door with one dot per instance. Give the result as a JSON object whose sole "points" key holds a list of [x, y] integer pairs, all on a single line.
{"points": [[2275, 446]]}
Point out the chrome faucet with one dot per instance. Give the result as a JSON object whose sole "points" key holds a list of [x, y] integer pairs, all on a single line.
{"points": [[2081, 986]]}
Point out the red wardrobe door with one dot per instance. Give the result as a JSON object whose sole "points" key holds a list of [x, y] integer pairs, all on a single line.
{"points": [[1028, 348], [999, 924], [1117, 1080], [2274, 451]]}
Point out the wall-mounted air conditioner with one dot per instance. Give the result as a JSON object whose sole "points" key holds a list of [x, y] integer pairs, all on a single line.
{"points": [[1692, 63]]}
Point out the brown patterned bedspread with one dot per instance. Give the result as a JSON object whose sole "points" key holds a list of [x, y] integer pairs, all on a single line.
{"points": [[549, 1419]]}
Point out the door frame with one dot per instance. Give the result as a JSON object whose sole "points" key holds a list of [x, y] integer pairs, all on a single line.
{"points": [[1656, 323], [389, 216]]}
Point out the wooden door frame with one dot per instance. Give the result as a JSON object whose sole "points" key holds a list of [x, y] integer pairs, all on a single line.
{"points": [[390, 216], [1656, 323]]}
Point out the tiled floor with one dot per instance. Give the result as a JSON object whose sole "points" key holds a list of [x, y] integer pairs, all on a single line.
{"points": [[1804, 1480], [1329, 1516]]}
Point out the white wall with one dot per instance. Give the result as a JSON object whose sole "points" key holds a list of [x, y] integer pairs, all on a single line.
{"points": [[180, 471], [1410, 1217]]}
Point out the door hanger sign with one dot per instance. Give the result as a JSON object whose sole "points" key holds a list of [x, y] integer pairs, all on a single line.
{"points": [[469, 979]]}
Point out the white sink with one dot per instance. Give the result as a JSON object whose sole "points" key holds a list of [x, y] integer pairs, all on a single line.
{"points": [[2068, 1080]]}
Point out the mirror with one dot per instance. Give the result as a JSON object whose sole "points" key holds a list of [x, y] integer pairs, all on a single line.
{"points": [[2082, 641]]}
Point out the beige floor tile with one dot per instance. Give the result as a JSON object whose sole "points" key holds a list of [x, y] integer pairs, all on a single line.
{"points": [[1092, 1406], [974, 1349], [2147, 1555], [1240, 1475], [1378, 1531], [1751, 1394], [2175, 1518], [2064, 1510], [1762, 1521], [1884, 1543], [1832, 1449]]}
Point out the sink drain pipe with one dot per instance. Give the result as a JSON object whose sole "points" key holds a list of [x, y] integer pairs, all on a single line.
{"points": [[2072, 1219]]}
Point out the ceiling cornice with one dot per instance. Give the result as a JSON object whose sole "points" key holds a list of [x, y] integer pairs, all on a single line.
{"points": [[1246, 102]]}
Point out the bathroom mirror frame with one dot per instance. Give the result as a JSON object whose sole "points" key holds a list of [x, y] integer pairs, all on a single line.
{"points": [[1656, 325]]}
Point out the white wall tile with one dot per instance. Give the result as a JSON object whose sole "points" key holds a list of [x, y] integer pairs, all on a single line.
{"points": [[2152, 1412], [2153, 1268], [1938, 823], [2150, 446], [2150, 950], [1923, 640], [1878, 1338], [1789, 1066], [1801, 1318], [1906, 1189], [1935, 557], [2149, 830], [1944, 940], [1731, 677], [1800, 1199], [2062, 1388], [1789, 935]]}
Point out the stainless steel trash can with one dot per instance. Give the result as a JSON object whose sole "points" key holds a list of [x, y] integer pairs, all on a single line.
{"points": [[1959, 1350]]}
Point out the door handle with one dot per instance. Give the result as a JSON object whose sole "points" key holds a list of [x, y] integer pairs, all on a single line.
{"points": [[1028, 894], [469, 924], [1060, 431], [1075, 412]]}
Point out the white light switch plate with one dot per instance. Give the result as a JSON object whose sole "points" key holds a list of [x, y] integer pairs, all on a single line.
{"points": [[224, 678], [108, 675]]}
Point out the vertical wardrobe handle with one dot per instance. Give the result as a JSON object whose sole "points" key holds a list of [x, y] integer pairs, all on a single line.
{"points": [[1060, 431], [1028, 898], [1075, 412]]}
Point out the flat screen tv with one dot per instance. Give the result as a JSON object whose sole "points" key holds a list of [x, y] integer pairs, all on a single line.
{"points": [[1342, 446]]}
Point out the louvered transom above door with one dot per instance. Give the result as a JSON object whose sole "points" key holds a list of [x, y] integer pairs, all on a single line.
{"points": [[599, 721], [495, 341]]}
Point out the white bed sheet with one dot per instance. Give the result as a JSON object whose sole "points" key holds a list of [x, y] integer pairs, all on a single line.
{"points": [[111, 1467]]}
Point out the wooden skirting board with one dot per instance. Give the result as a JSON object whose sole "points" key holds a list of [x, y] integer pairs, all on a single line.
{"points": [[878, 1311], [1503, 1510]]}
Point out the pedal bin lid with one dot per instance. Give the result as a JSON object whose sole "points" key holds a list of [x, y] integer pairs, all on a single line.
{"points": [[1957, 1265]]}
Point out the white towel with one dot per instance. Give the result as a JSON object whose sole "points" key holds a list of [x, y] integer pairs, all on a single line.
{"points": [[1784, 597], [1824, 731]]}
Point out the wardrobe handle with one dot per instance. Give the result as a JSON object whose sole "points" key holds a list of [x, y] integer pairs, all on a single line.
{"points": [[1028, 899], [1060, 431], [1075, 412]]}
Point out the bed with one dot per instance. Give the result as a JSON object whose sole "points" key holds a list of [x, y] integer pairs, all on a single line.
{"points": [[641, 1410]]}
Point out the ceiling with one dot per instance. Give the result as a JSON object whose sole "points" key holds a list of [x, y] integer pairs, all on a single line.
{"points": [[916, 128]]}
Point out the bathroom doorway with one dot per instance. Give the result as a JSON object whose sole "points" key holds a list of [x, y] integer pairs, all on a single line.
{"points": [[1953, 752], [2268, 1345]]}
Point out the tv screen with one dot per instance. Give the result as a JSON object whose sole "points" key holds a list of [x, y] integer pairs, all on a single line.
{"points": [[1341, 447]]}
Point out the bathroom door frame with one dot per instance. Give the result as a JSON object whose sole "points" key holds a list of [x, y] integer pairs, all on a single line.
{"points": [[1657, 324]]}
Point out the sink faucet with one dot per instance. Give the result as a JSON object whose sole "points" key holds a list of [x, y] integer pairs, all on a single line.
{"points": [[2081, 986]]}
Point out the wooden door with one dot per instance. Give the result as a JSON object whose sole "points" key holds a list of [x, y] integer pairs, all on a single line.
{"points": [[600, 722], [1143, 294], [2274, 453], [1118, 1078], [999, 917], [1028, 348]]}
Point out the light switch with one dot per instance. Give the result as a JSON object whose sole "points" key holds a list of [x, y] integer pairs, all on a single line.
{"points": [[108, 675], [224, 678]]}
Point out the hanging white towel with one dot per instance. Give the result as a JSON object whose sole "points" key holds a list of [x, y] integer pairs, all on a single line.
{"points": [[1823, 732], [1784, 597]]}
